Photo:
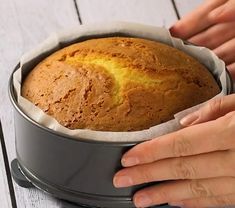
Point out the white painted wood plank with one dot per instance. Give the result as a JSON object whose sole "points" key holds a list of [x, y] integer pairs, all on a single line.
{"points": [[153, 12], [5, 200], [186, 6], [23, 24]]}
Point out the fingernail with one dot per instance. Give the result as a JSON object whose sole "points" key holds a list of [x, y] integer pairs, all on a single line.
{"points": [[143, 200], [129, 161], [189, 119], [217, 12], [173, 29], [177, 204], [122, 181]]}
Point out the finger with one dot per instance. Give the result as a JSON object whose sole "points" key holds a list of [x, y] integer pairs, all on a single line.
{"points": [[226, 51], [185, 189], [212, 110], [231, 68], [192, 167], [196, 21], [212, 38], [201, 138], [226, 201], [226, 12]]}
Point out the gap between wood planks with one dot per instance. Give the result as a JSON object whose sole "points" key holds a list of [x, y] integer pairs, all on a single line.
{"points": [[76, 5], [6, 161], [77, 11], [7, 168], [176, 9]]}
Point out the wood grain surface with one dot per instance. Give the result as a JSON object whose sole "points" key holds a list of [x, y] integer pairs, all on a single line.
{"points": [[185, 6], [5, 199], [153, 12], [25, 23]]}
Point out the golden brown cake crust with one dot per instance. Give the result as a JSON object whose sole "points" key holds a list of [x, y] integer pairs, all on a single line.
{"points": [[117, 84]]}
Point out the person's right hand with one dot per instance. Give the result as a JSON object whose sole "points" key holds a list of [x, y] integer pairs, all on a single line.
{"points": [[211, 25], [196, 163]]}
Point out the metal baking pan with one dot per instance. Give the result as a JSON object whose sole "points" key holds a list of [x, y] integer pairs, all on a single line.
{"points": [[77, 170]]}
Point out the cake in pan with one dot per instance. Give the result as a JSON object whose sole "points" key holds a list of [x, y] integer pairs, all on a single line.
{"points": [[117, 84]]}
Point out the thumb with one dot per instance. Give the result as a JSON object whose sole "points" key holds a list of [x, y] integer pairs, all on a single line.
{"points": [[224, 13], [212, 110]]}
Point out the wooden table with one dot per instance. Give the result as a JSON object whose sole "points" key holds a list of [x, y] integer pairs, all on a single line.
{"points": [[24, 24]]}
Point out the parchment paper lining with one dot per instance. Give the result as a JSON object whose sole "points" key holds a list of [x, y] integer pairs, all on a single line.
{"points": [[81, 33]]}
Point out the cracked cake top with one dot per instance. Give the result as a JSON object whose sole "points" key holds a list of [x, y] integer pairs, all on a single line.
{"points": [[117, 84]]}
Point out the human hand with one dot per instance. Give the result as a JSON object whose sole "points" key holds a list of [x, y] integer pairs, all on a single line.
{"points": [[197, 162], [211, 25]]}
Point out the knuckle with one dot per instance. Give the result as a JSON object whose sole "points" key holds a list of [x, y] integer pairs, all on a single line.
{"points": [[230, 118], [181, 146], [226, 130], [198, 189], [215, 106], [163, 195], [223, 201], [231, 128], [147, 175], [183, 170], [192, 203], [150, 155], [229, 166]]}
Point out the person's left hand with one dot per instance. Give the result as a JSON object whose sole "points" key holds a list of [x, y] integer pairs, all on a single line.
{"points": [[211, 25], [197, 162]]}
